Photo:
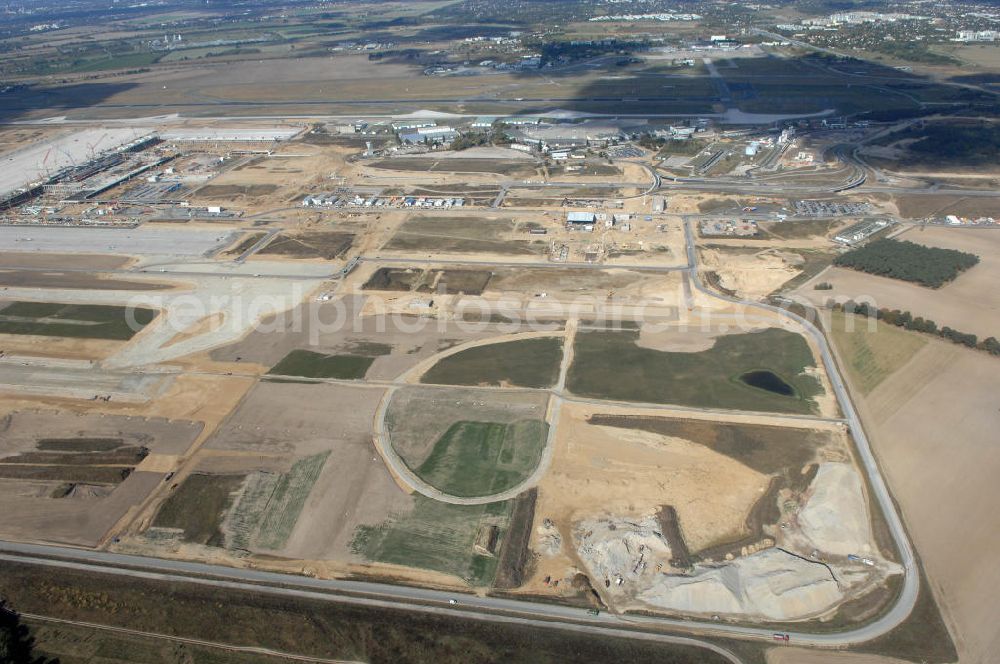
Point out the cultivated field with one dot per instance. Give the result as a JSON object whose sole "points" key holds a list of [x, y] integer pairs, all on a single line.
{"points": [[872, 350], [971, 303], [940, 461]]}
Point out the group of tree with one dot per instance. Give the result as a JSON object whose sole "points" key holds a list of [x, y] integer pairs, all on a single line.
{"points": [[16, 644], [906, 320], [496, 135], [928, 266]]}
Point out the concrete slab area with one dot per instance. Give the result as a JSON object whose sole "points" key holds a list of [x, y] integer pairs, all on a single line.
{"points": [[129, 241]]}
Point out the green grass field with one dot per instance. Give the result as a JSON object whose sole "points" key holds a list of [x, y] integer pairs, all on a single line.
{"points": [[482, 458], [435, 536], [706, 379], [523, 363], [84, 321], [286, 502], [872, 356], [198, 506], [308, 364]]}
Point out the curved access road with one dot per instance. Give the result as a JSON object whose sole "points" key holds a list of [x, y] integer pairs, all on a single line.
{"points": [[521, 611], [911, 579], [409, 479]]}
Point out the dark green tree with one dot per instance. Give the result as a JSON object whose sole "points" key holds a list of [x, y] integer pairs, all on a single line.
{"points": [[16, 643]]}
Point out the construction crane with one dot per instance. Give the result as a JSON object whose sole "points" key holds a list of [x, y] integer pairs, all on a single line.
{"points": [[93, 147], [45, 160], [68, 156]]}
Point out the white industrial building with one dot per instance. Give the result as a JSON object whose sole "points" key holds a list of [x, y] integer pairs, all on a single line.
{"points": [[231, 134]]}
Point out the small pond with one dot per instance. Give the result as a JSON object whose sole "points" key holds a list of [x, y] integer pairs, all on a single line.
{"points": [[767, 380]]}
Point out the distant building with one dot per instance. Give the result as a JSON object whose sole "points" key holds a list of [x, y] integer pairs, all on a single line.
{"points": [[581, 221], [429, 135], [860, 231], [410, 125]]}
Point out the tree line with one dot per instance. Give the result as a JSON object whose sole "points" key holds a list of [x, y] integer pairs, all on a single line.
{"points": [[906, 320], [16, 644], [908, 261]]}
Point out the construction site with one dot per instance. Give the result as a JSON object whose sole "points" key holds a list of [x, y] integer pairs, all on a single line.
{"points": [[294, 348]]}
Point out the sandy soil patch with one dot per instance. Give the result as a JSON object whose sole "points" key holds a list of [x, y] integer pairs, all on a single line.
{"points": [[159, 463], [58, 347], [598, 471], [608, 287], [751, 276], [785, 655], [207, 324]]}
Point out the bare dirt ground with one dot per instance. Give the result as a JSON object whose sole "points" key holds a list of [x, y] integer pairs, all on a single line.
{"points": [[58, 347], [786, 655], [73, 280], [920, 206], [270, 184], [419, 416], [81, 517], [341, 325], [752, 275], [611, 285], [97, 262], [934, 424], [599, 471], [291, 419], [969, 304], [281, 421]]}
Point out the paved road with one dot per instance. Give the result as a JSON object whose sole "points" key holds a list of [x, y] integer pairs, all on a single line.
{"points": [[376, 595], [504, 610], [911, 581], [383, 442]]}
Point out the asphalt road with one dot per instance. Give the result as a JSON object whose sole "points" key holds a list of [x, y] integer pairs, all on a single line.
{"points": [[523, 612], [375, 595], [911, 581]]}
